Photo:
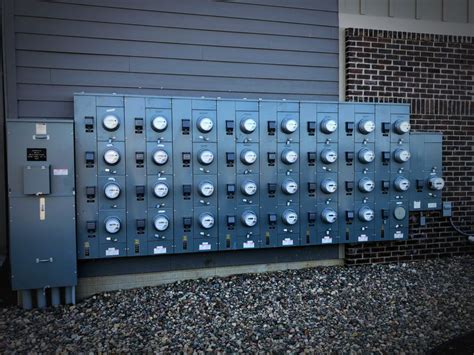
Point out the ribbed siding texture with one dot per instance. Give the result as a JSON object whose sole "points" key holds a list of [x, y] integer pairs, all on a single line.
{"points": [[247, 48]]}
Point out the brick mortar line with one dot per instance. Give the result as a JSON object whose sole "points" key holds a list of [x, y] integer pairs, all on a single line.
{"points": [[393, 35]]}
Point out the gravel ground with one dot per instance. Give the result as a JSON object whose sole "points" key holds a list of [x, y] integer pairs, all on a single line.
{"points": [[409, 307]]}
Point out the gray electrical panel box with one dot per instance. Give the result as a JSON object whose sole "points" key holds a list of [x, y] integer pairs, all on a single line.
{"points": [[42, 224], [161, 175], [427, 171]]}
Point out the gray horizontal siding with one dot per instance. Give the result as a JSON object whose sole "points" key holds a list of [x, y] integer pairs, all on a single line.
{"points": [[242, 48], [169, 20]]}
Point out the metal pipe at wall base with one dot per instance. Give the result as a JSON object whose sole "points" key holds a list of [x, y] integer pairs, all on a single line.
{"points": [[55, 296], [26, 299], [70, 295], [41, 297]]}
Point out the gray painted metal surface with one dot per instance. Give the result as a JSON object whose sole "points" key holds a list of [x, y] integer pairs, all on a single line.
{"points": [[217, 174], [427, 167], [41, 205]]}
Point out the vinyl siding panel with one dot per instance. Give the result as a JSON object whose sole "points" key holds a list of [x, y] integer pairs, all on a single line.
{"points": [[246, 48]]}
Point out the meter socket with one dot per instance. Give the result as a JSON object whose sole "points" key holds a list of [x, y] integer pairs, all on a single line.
{"points": [[159, 123], [249, 218], [289, 156]]}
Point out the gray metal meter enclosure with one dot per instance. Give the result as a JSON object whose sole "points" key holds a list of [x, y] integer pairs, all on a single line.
{"points": [[147, 175], [161, 175], [42, 210]]}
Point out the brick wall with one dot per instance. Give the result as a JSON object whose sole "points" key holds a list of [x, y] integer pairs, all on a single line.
{"points": [[435, 74]]}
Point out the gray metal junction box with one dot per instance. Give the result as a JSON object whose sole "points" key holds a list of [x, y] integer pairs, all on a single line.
{"points": [[41, 205]]}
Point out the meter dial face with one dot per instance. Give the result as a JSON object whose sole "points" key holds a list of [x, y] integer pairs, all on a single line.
{"points": [[206, 220], [161, 223], [206, 188], [328, 215], [289, 186], [248, 125], [160, 157], [289, 217], [249, 218], [112, 190], [366, 156], [399, 213], [112, 225], [329, 186], [249, 188], [328, 155], [366, 126], [402, 126], [248, 156], [205, 124], [366, 185], [289, 125], [366, 214], [328, 125], [206, 157], [110, 122], [160, 190], [111, 156], [401, 184], [436, 183], [402, 155], [289, 156], [159, 123]]}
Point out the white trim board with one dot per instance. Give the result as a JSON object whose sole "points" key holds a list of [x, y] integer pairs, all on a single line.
{"points": [[405, 25]]}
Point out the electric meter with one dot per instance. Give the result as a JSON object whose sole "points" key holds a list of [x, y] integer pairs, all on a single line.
{"points": [[402, 126], [366, 214], [328, 125], [160, 189], [401, 155], [206, 157], [112, 190], [289, 217], [328, 186], [248, 188], [401, 184], [206, 188], [248, 125], [366, 126], [328, 155], [249, 218], [366, 185], [289, 186], [159, 123], [329, 215], [289, 125], [436, 183], [206, 220], [161, 222], [366, 155], [111, 156], [160, 157], [205, 124], [112, 225], [111, 122], [248, 156], [289, 156]]}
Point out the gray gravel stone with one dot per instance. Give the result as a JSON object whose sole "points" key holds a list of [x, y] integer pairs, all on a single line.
{"points": [[409, 308]]}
